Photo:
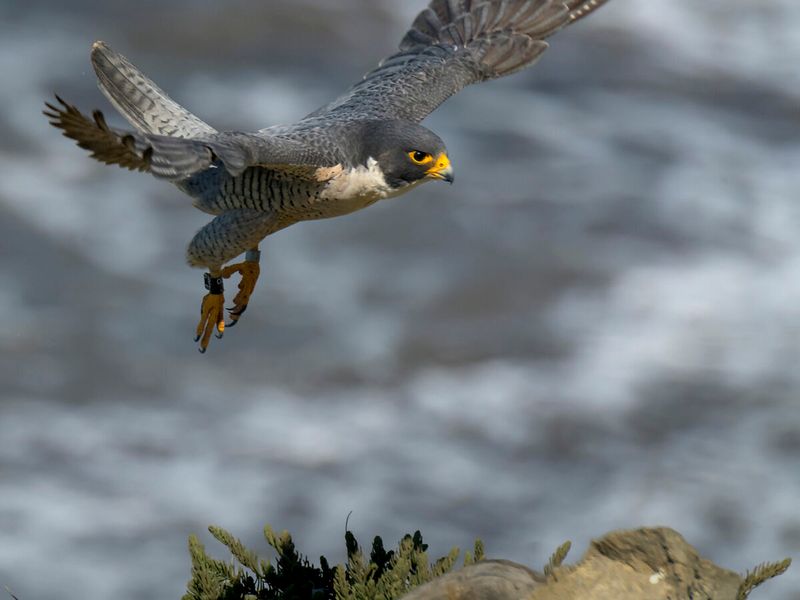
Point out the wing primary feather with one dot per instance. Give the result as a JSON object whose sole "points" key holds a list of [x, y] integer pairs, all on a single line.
{"points": [[171, 158], [583, 8]]}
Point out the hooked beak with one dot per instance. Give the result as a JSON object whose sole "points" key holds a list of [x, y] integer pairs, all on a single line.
{"points": [[442, 169]]}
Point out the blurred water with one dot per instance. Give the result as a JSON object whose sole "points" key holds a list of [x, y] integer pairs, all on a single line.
{"points": [[597, 327]]}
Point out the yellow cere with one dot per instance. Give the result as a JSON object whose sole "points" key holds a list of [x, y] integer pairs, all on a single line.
{"points": [[442, 164]]}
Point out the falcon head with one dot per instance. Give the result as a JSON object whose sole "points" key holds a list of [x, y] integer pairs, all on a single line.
{"points": [[406, 153]]}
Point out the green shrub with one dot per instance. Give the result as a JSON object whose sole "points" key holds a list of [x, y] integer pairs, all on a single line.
{"points": [[387, 575]]}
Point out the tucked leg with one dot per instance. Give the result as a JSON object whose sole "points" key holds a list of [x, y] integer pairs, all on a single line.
{"points": [[226, 237]]}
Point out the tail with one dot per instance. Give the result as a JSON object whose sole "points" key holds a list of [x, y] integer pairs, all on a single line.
{"points": [[169, 158], [140, 101]]}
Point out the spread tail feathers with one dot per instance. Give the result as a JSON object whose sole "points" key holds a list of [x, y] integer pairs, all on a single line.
{"points": [[139, 100]]}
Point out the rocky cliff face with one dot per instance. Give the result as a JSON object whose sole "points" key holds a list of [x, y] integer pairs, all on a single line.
{"points": [[646, 564]]}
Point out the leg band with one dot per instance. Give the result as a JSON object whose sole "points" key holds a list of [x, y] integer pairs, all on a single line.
{"points": [[214, 285], [253, 256]]}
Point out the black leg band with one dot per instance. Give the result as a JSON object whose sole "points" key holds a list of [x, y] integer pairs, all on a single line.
{"points": [[214, 285]]}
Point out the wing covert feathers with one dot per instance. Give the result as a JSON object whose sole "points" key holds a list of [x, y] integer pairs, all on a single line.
{"points": [[139, 100]]}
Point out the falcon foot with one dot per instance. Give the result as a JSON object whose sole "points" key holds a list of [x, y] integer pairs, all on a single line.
{"points": [[249, 270], [211, 315]]}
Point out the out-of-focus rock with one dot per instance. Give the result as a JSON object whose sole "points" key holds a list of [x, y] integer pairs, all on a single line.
{"points": [[485, 580], [652, 564]]}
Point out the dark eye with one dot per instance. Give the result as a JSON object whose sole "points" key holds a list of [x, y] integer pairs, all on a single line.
{"points": [[419, 157]]}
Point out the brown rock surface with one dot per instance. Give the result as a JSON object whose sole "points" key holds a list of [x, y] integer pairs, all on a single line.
{"points": [[652, 564]]}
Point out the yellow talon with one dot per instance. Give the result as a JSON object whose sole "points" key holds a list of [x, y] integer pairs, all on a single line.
{"points": [[212, 316], [250, 271], [211, 319]]}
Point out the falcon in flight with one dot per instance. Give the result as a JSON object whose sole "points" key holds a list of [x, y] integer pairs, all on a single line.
{"points": [[364, 146]]}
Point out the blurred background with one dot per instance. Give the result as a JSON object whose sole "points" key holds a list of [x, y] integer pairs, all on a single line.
{"points": [[597, 327]]}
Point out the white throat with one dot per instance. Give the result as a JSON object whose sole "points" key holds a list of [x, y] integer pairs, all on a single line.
{"points": [[367, 182]]}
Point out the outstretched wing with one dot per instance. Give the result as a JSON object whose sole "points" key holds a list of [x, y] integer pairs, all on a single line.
{"points": [[176, 158], [454, 43]]}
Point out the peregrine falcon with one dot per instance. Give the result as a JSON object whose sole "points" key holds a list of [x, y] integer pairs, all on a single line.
{"points": [[364, 146]]}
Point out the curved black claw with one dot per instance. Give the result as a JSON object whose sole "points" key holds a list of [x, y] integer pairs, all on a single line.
{"points": [[236, 313]]}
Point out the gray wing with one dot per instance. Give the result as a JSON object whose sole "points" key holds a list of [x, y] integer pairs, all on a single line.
{"points": [[139, 100], [169, 141], [452, 44], [176, 158]]}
